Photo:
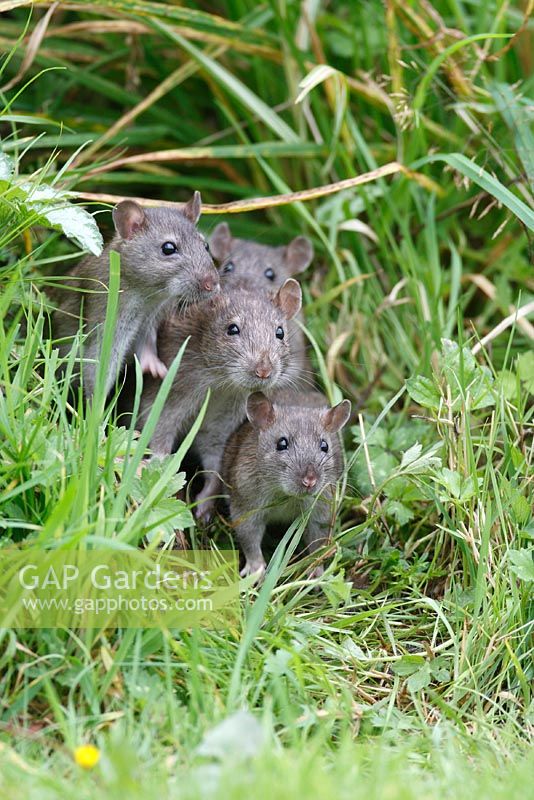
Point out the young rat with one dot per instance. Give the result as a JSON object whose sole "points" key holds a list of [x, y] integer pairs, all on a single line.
{"points": [[282, 462], [239, 342], [164, 260], [244, 263], [261, 266]]}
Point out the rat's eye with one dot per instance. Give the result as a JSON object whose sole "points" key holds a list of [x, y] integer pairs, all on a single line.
{"points": [[282, 444], [269, 274], [232, 330], [168, 248], [207, 246], [280, 332], [229, 267], [324, 446]]}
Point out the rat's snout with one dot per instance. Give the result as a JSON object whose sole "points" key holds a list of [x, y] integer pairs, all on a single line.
{"points": [[310, 478], [209, 283], [264, 367]]}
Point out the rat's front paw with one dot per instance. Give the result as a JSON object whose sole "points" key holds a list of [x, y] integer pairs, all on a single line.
{"points": [[205, 507], [152, 365], [256, 568]]}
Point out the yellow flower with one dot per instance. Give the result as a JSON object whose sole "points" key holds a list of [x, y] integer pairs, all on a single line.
{"points": [[87, 756]]}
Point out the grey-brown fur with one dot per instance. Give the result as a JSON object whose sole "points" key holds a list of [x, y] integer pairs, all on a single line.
{"points": [[268, 485], [150, 283], [231, 366], [244, 259], [245, 263]]}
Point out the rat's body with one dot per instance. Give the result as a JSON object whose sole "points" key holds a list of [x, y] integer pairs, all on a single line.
{"points": [[164, 262], [239, 343], [283, 462], [259, 267]]}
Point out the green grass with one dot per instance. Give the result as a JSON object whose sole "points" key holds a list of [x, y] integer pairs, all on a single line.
{"points": [[409, 674]]}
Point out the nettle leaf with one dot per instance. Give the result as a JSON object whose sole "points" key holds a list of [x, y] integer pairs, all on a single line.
{"points": [[424, 392], [525, 369], [522, 564], [55, 211], [77, 224]]}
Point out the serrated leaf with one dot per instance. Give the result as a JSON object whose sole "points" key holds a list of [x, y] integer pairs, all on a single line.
{"points": [[76, 223], [522, 564], [423, 392], [414, 461]]}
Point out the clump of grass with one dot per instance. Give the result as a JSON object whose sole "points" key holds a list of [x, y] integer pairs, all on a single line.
{"points": [[414, 660]]}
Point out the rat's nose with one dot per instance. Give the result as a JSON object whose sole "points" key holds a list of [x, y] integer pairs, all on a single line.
{"points": [[309, 481], [209, 283], [264, 368]]}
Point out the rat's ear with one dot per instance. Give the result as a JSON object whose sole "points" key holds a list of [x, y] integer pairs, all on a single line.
{"points": [[260, 411], [193, 208], [128, 218], [289, 298], [221, 241], [336, 417], [298, 255]]}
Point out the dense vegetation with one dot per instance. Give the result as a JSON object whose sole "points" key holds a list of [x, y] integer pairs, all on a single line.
{"points": [[409, 673]]}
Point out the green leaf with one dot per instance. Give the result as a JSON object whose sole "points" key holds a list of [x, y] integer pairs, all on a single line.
{"points": [[7, 167], [407, 665], [233, 85], [76, 223], [423, 392], [521, 508], [525, 369], [399, 512], [507, 383], [319, 73], [486, 181], [452, 481], [420, 679], [522, 564], [414, 461]]}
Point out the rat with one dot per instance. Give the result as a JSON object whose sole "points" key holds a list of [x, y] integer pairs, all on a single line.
{"points": [[283, 461], [239, 342], [245, 263], [165, 260], [259, 265]]}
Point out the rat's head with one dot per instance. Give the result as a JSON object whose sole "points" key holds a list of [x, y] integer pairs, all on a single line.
{"points": [[258, 265], [162, 250], [297, 447], [246, 338]]}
